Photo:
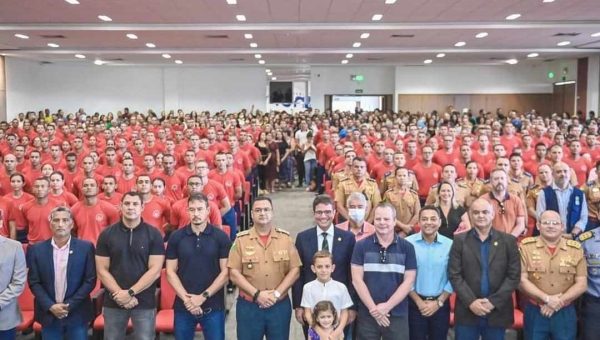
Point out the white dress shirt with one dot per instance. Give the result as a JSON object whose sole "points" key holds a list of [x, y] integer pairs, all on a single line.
{"points": [[329, 232]]}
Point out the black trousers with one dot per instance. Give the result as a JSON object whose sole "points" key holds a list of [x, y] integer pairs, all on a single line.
{"points": [[300, 167]]}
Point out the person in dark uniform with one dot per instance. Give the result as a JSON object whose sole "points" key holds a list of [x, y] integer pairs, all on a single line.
{"points": [[590, 306]]}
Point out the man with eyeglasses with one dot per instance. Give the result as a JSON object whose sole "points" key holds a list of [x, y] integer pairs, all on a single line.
{"points": [[325, 236], [565, 199], [383, 273], [429, 308], [359, 182], [198, 284], [484, 271], [509, 211], [264, 264], [553, 275]]}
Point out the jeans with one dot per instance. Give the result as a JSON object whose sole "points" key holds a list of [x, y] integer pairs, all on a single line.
{"points": [[213, 325], [589, 317], [562, 325], [253, 322], [368, 328], [434, 327], [65, 329], [9, 334], [229, 219], [309, 167], [115, 323], [483, 330]]}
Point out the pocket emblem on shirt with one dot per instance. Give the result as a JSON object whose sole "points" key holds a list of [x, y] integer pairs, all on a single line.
{"points": [[249, 251]]}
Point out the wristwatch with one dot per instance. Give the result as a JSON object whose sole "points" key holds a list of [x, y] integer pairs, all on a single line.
{"points": [[131, 292], [206, 294], [440, 303], [277, 294]]}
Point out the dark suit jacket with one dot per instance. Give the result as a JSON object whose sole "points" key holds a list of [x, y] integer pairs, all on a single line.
{"points": [[307, 245], [464, 272], [81, 280]]}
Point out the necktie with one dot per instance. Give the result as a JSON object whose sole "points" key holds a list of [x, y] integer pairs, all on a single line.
{"points": [[325, 244]]}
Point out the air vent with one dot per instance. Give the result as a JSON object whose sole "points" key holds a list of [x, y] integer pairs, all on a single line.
{"points": [[237, 59], [375, 59], [549, 60], [496, 59], [52, 36], [45, 63], [566, 34], [216, 36], [402, 36], [114, 59]]}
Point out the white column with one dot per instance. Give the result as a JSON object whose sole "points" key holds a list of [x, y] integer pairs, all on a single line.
{"points": [[593, 84]]}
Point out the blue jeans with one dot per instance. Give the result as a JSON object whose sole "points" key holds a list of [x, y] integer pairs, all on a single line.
{"points": [[115, 323], [253, 322], [562, 325], [65, 329], [434, 327], [590, 314], [309, 166], [9, 334], [213, 325], [483, 330], [229, 219]]}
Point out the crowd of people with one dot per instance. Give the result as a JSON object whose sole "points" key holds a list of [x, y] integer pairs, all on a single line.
{"points": [[493, 211]]}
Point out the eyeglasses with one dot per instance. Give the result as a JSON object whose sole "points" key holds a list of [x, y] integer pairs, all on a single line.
{"points": [[551, 222], [383, 255], [325, 212], [204, 313], [502, 208]]}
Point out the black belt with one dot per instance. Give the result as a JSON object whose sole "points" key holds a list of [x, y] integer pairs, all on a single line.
{"points": [[591, 297], [428, 298]]}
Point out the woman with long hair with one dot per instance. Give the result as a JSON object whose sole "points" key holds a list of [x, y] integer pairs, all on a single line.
{"points": [[265, 156], [286, 162], [454, 216]]}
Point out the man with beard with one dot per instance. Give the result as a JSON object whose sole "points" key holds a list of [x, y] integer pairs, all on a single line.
{"points": [[509, 211]]}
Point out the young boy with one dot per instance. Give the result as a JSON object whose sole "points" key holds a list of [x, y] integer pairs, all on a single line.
{"points": [[325, 288]]}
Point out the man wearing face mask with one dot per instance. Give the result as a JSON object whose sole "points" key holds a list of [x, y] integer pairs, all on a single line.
{"points": [[357, 224], [325, 236]]}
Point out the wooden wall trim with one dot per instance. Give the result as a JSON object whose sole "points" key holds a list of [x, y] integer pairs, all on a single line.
{"points": [[582, 80]]}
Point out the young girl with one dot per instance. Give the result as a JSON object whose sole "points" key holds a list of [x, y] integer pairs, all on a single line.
{"points": [[325, 321]]}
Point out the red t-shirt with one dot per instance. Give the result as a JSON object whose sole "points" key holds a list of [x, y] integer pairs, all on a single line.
{"points": [[215, 192], [126, 185], [90, 221], [180, 216], [5, 210], [37, 219], [174, 184], [17, 203], [115, 200], [427, 177], [156, 213], [229, 180], [66, 197]]}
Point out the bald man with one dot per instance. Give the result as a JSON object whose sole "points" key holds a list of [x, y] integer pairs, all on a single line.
{"points": [[565, 199], [553, 275], [484, 270]]}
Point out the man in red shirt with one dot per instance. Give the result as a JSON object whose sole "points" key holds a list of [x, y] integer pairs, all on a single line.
{"points": [[109, 193], [92, 215], [149, 168], [427, 173], [483, 155], [174, 182], [213, 189], [11, 142], [35, 167], [10, 167], [540, 158], [36, 212], [412, 154], [88, 172], [179, 213], [156, 210], [377, 154], [232, 186], [189, 167], [446, 155], [461, 162], [138, 152], [126, 182], [510, 140], [383, 167], [56, 159], [240, 159], [580, 165], [111, 168]]}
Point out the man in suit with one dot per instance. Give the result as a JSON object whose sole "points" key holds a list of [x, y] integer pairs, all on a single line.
{"points": [[62, 274], [325, 236], [484, 270], [13, 273]]}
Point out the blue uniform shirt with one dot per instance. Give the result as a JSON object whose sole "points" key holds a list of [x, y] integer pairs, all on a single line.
{"points": [[432, 261], [590, 241], [384, 269]]}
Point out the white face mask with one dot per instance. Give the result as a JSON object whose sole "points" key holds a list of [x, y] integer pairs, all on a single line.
{"points": [[357, 215]]}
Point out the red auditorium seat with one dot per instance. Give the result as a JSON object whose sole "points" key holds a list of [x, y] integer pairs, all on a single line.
{"points": [[26, 304], [227, 230], [452, 305], [166, 314], [518, 315]]}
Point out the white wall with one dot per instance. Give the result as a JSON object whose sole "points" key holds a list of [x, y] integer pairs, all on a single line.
{"points": [[32, 87], [593, 85], [336, 80]]}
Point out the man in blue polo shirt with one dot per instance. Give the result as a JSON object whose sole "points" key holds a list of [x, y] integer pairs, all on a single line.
{"points": [[197, 270], [383, 272]]}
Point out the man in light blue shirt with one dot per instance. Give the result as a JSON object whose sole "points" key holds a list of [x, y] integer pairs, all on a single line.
{"points": [[429, 308], [565, 199]]}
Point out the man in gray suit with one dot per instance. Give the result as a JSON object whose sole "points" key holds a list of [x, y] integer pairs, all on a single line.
{"points": [[13, 274]]}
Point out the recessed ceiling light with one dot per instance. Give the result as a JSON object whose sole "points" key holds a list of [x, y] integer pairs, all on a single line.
{"points": [[512, 61], [427, 61], [178, 62], [564, 43], [481, 35], [253, 45], [79, 56], [231, 2], [460, 44], [596, 35], [104, 18], [131, 36], [513, 16], [267, 70], [532, 55], [98, 62], [270, 74], [240, 17], [21, 36], [349, 55], [390, 2], [274, 78], [548, 1], [257, 56], [344, 61], [365, 35], [377, 17], [356, 44], [248, 36], [73, 2], [53, 45], [440, 55], [166, 56], [261, 62], [150, 45]]}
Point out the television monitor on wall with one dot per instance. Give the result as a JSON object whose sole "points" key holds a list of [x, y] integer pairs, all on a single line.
{"points": [[281, 92]]}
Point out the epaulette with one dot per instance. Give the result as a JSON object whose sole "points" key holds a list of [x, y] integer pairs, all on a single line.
{"points": [[586, 236], [515, 180], [534, 186], [282, 231], [460, 179], [527, 174], [435, 186], [340, 170], [461, 185], [345, 179], [414, 192], [528, 240], [243, 233], [371, 180], [387, 174], [574, 244]]}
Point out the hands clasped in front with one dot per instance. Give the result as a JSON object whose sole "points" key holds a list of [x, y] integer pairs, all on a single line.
{"points": [[124, 300], [481, 307], [266, 299], [381, 314]]}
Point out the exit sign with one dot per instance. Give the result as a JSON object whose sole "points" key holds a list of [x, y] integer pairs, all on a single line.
{"points": [[358, 91]]}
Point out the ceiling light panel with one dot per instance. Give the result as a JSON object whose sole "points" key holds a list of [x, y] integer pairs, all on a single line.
{"points": [[21, 36], [481, 35], [240, 17], [356, 44], [132, 36], [53, 45], [365, 35], [248, 36], [460, 44], [513, 16], [150, 45], [104, 18], [377, 17], [231, 2], [441, 55]]}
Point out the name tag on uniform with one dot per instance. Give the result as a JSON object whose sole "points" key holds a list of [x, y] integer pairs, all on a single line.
{"points": [[577, 200]]}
